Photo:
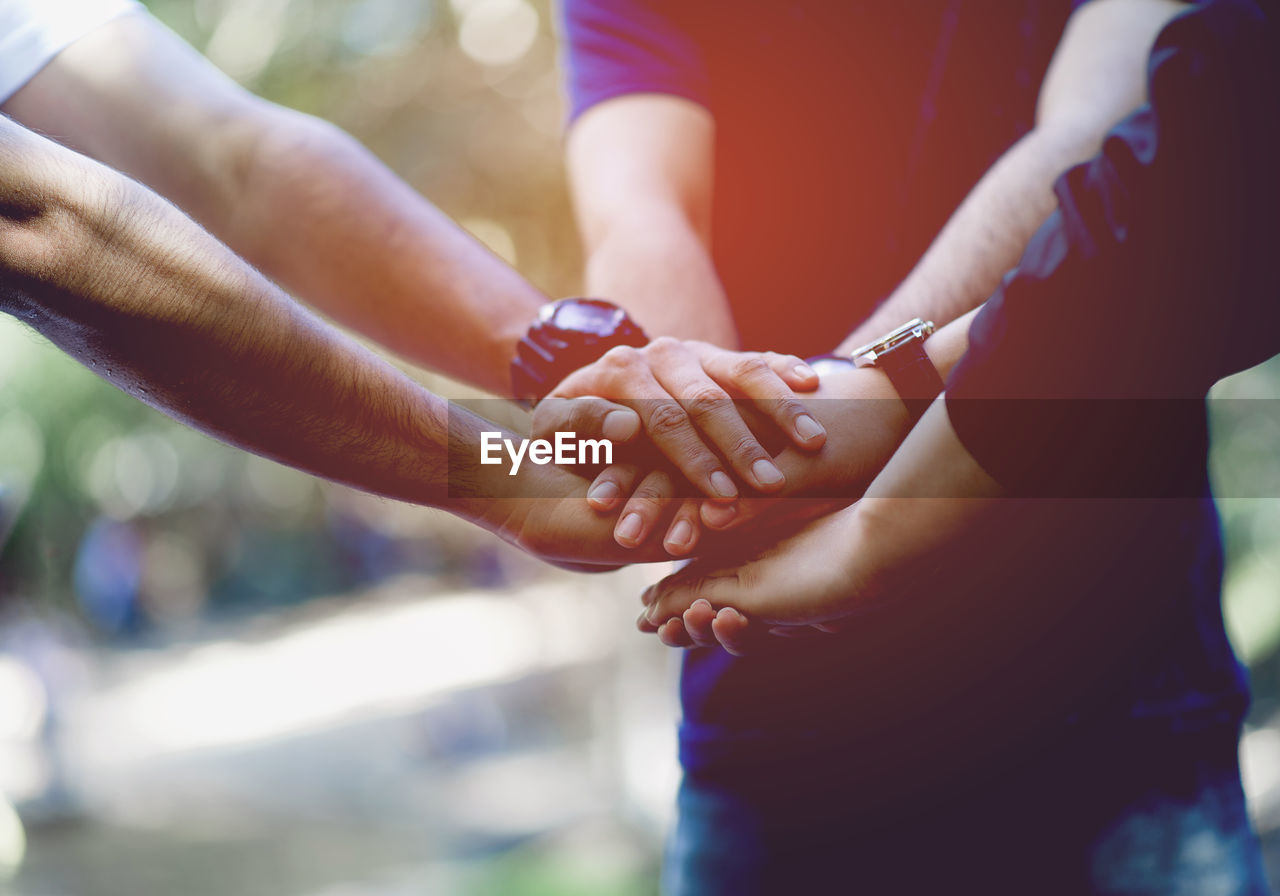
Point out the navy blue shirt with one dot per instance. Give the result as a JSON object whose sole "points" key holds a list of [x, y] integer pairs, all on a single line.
{"points": [[1156, 276], [846, 133]]}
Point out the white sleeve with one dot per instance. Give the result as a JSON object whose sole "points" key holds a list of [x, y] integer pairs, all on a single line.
{"points": [[32, 32]]}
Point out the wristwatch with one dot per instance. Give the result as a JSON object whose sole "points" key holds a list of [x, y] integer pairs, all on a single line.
{"points": [[566, 335], [901, 355]]}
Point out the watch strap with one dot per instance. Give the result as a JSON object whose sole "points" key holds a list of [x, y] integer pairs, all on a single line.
{"points": [[913, 375], [549, 352]]}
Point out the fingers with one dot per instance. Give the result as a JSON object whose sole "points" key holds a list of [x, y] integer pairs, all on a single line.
{"points": [[611, 486], [734, 632], [644, 509], [717, 516], [682, 534], [676, 593], [673, 433], [586, 416], [698, 621], [793, 371], [757, 377], [673, 634], [714, 413], [703, 626]]}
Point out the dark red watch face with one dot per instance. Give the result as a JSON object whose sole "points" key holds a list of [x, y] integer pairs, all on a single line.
{"points": [[587, 316]]}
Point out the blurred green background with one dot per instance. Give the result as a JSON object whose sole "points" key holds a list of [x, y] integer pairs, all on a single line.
{"points": [[144, 559]]}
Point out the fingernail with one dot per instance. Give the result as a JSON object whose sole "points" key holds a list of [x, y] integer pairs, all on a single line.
{"points": [[646, 597], [703, 601], [720, 515], [681, 534], [766, 472], [604, 492], [804, 371], [807, 428], [620, 426], [630, 526], [723, 485]]}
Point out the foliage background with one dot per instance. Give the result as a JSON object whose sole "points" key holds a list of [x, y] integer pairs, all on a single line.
{"points": [[137, 541]]}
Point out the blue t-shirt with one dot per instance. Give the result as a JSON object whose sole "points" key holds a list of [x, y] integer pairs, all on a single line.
{"points": [[846, 134], [1159, 263], [847, 131]]}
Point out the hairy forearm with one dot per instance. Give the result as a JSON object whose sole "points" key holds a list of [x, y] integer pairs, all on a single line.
{"points": [[366, 249], [304, 202], [140, 294], [653, 263]]}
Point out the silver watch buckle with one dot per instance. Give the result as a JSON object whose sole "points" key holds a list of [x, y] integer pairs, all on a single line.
{"points": [[913, 330]]}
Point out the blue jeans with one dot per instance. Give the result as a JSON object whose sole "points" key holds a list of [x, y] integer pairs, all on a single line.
{"points": [[1184, 833]]}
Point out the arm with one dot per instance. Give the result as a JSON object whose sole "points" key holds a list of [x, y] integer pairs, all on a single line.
{"points": [[1096, 77], [865, 420], [295, 196], [930, 491], [640, 167], [137, 292], [1128, 247]]}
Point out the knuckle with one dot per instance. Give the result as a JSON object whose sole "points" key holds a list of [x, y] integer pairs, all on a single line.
{"points": [[586, 414], [653, 490], [705, 401], [747, 448], [621, 357], [788, 408], [748, 367], [647, 495], [663, 345], [666, 419]]}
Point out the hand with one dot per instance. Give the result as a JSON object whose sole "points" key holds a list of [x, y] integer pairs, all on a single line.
{"points": [[543, 511], [865, 420], [682, 393], [929, 494]]}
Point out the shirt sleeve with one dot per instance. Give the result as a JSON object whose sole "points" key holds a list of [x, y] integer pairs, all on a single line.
{"points": [[32, 32], [618, 47], [1155, 277]]}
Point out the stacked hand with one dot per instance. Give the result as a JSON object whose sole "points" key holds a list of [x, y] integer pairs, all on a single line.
{"points": [[695, 424], [850, 561], [780, 551]]}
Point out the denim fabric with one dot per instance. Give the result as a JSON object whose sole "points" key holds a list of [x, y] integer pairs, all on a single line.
{"points": [[1165, 845], [1178, 829]]}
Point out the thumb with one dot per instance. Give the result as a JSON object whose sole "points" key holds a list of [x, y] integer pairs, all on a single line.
{"points": [[588, 416]]}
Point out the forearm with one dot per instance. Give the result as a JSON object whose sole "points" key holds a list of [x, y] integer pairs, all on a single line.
{"points": [[641, 170], [140, 294], [388, 263], [303, 201], [982, 240], [653, 262], [1096, 78], [866, 421]]}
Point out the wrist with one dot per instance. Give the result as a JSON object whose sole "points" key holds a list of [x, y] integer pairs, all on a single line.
{"points": [[865, 421], [567, 335]]}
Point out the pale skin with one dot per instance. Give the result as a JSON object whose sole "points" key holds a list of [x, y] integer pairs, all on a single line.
{"points": [[930, 489], [642, 173], [307, 206], [136, 291]]}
